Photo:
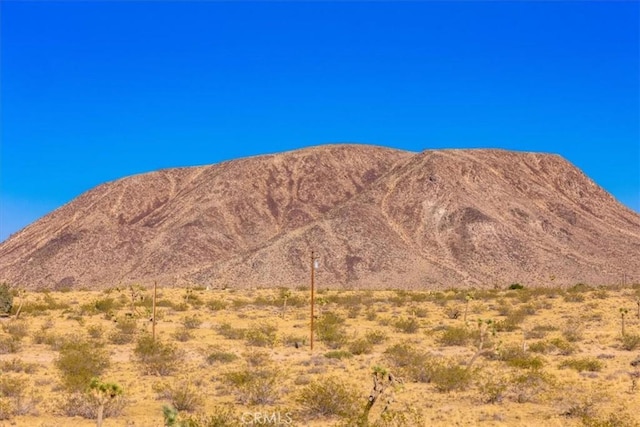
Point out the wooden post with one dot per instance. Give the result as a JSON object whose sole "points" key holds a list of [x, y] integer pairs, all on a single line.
{"points": [[312, 296], [153, 319]]}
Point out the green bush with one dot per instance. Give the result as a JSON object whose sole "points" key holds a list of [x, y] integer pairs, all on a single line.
{"points": [[256, 386], [220, 356], [375, 337], [589, 364], [79, 361], [156, 357], [516, 357], [183, 395], [330, 330], [450, 376], [360, 346], [125, 332], [191, 322], [338, 354], [182, 334], [9, 344], [454, 336], [17, 365], [407, 325], [18, 329], [230, 332], [630, 341], [216, 304], [328, 396], [261, 335], [410, 363]]}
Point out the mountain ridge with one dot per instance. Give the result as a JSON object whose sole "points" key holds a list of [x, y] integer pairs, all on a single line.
{"points": [[377, 217]]}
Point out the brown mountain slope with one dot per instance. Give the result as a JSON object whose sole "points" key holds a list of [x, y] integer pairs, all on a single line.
{"points": [[377, 218]]}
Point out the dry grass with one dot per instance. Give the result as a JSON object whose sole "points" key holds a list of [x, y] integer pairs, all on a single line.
{"points": [[547, 357]]}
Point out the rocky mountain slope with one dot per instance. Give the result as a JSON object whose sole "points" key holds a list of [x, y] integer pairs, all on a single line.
{"points": [[376, 217]]}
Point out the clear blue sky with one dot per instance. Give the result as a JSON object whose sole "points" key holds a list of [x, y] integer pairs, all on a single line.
{"points": [[95, 91]]}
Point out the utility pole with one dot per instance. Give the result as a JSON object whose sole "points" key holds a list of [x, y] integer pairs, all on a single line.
{"points": [[313, 268], [153, 319]]}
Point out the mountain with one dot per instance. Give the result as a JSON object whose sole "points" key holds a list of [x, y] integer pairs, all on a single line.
{"points": [[376, 217]]}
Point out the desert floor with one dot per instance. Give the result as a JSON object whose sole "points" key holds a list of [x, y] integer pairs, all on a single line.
{"points": [[515, 357]]}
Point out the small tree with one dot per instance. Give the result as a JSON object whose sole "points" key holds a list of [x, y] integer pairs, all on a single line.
{"points": [[79, 361], [623, 314], [103, 393]]}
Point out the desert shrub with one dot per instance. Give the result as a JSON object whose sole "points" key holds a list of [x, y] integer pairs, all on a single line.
{"points": [[6, 299], [220, 356], [50, 338], [125, 332], [420, 312], [371, 314], [156, 357], [573, 297], [14, 399], [183, 395], [542, 347], [79, 361], [261, 335], [106, 305], [589, 364], [563, 347], [512, 321], [630, 342], [191, 322], [408, 325], [450, 376], [614, 419], [294, 340], [9, 344], [95, 331], [454, 335], [17, 365], [360, 346], [327, 396], [527, 385], [572, 333], [256, 386], [515, 286], [17, 329], [492, 388], [85, 405], [338, 354], [409, 362], [182, 334], [230, 332], [216, 304], [375, 337], [257, 357], [330, 330], [540, 331], [453, 312], [218, 416], [516, 357]]}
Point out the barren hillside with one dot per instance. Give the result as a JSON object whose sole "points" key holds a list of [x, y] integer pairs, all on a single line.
{"points": [[377, 217]]}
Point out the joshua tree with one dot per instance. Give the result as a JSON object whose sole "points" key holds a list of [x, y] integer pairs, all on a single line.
{"points": [[484, 327], [468, 298], [382, 381], [103, 392], [623, 313], [285, 294]]}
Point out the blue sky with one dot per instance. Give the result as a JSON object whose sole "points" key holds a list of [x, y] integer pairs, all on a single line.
{"points": [[95, 91]]}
